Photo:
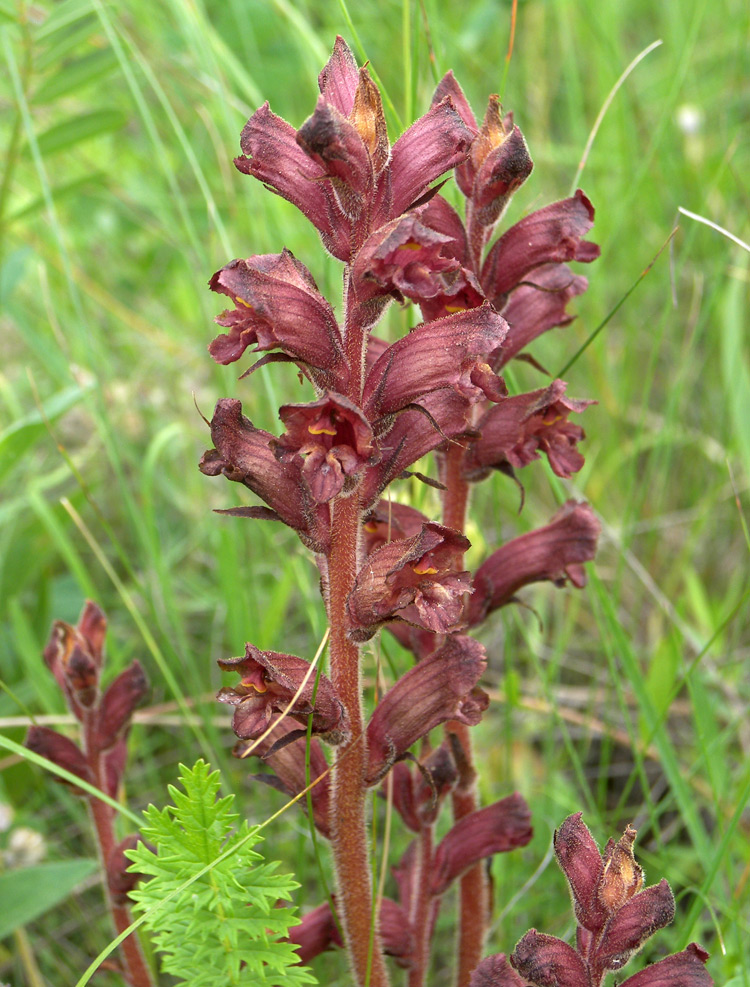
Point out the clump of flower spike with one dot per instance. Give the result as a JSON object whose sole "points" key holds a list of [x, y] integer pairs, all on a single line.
{"points": [[377, 409], [75, 656], [615, 916]]}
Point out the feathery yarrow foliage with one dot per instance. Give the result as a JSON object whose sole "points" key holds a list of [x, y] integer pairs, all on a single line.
{"points": [[211, 903]]}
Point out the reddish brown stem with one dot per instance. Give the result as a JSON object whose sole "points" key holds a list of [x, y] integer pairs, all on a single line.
{"points": [[474, 888], [421, 910], [137, 972], [348, 824]]}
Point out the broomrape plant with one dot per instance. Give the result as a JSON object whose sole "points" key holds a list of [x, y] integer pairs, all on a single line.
{"points": [[333, 475], [376, 409]]}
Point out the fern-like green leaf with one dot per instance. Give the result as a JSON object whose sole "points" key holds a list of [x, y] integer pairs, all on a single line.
{"points": [[221, 926]]}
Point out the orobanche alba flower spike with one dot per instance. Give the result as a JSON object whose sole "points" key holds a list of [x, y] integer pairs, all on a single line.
{"points": [[332, 474]]}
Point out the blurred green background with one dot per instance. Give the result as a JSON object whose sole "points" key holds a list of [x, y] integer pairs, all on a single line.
{"points": [[118, 200]]}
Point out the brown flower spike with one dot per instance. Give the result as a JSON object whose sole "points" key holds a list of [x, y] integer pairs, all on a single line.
{"points": [[615, 915]]}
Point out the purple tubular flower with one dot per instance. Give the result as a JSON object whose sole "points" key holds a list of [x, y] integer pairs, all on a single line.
{"points": [[278, 306], [244, 454], [452, 352], [437, 142], [616, 916], [555, 552], [685, 969], [440, 687], [496, 971], [61, 751], [118, 705], [538, 304], [407, 258], [335, 440], [515, 431], [581, 862], [268, 685], [549, 962], [497, 828], [414, 579], [272, 155], [287, 759], [550, 235]]}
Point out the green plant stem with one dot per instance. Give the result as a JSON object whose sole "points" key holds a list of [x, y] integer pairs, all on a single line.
{"points": [[348, 827], [474, 888], [102, 815]]}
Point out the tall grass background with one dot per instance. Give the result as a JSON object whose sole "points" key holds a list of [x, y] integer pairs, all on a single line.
{"points": [[118, 199]]}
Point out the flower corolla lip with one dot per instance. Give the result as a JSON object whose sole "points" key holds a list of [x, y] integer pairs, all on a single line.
{"points": [[274, 683]]}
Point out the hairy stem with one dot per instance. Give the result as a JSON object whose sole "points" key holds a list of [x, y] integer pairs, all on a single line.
{"points": [[102, 815], [422, 907], [474, 887], [348, 823]]}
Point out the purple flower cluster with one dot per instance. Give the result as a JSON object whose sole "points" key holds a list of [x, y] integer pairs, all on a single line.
{"points": [[376, 409], [615, 916]]}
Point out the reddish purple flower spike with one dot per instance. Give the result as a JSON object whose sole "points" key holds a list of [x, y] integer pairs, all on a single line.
{"points": [[440, 687], [555, 553], [74, 656], [515, 431], [497, 828], [338, 168], [616, 916], [268, 684], [416, 580]]}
